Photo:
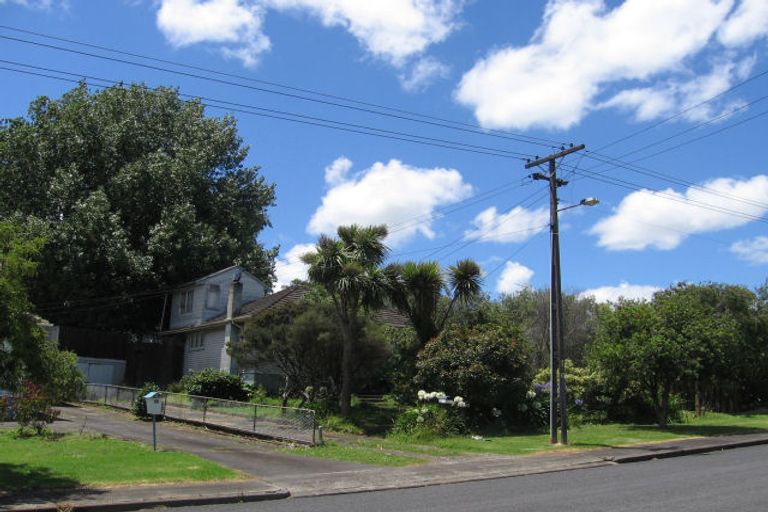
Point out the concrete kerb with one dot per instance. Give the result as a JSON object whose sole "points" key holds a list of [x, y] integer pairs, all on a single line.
{"points": [[136, 498], [719, 444]]}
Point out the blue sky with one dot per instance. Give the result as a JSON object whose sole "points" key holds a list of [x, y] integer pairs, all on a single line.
{"points": [[667, 95]]}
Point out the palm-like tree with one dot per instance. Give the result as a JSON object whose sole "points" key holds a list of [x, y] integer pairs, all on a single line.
{"points": [[416, 288], [349, 268]]}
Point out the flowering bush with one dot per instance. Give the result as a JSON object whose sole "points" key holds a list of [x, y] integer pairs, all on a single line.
{"points": [[487, 365], [435, 414], [32, 408]]}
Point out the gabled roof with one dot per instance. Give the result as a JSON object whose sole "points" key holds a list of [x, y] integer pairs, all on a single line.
{"points": [[232, 269]]}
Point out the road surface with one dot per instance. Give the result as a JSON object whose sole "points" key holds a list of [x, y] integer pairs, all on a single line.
{"points": [[732, 481]]}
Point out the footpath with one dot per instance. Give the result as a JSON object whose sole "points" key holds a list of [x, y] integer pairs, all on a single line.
{"points": [[277, 475]]}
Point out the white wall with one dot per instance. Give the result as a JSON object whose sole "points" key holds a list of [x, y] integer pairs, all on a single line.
{"points": [[207, 356]]}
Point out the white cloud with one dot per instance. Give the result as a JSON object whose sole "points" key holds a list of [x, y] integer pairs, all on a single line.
{"points": [[517, 225], [422, 74], [624, 290], [648, 219], [754, 251], [580, 48], [748, 22], [514, 278], [234, 25], [394, 30], [338, 170], [392, 193], [289, 266], [662, 99]]}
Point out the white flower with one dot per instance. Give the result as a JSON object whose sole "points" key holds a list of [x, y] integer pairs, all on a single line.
{"points": [[440, 395], [421, 394], [420, 419], [522, 407], [531, 394], [496, 412]]}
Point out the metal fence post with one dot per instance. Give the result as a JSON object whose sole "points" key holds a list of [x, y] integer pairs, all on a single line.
{"points": [[106, 388], [255, 411], [205, 408]]}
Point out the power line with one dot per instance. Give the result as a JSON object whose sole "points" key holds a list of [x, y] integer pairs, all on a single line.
{"points": [[685, 110], [691, 202], [297, 118], [517, 138], [277, 84], [679, 181]]}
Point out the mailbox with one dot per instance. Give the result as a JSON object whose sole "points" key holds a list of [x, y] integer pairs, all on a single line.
{"points": [[154, 401]]}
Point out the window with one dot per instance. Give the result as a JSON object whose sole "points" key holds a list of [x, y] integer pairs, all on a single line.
{"points": [[195, 341], [213, 296], [186, 301]]}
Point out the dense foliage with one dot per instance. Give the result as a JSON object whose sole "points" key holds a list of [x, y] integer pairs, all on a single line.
{"points": [[680, 342], [304, 341], [134, 189], [487, 365], [25, 352], [214, 384], [139, 405]]}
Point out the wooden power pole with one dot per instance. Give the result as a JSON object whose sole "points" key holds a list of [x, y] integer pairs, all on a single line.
{"points": [[557, 389]]}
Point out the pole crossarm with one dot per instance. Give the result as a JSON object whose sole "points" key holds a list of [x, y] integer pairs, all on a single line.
{"points": [[555, 156]]}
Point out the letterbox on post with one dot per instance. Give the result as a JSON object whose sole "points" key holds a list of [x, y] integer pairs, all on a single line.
{"points": [[154, 402]]}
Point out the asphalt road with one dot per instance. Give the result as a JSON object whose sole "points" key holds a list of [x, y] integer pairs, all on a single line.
{"points": [[732, 481]]}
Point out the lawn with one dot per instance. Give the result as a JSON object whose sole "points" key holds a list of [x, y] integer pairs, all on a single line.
{"points": [[71, 460], [366, 449]]}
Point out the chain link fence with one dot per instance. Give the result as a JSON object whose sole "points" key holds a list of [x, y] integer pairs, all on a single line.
{"points": [[283, 423]]}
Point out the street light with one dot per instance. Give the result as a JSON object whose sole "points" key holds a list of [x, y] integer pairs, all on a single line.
{"points": [[556, 321]]}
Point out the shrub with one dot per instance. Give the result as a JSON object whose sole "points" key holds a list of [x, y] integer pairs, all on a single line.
{"points": [[215, 384], [139, 406], [32, 408], [587, 396], [486, 364], [429, 420]]}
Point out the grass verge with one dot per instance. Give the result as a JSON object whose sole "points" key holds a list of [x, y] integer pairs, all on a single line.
{"points": [[362, 453], [587, 436], [62, 461]]}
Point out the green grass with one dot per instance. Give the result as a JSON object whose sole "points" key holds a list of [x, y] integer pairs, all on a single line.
{"points": [[62, 461], [367, 453], [587, 436]]}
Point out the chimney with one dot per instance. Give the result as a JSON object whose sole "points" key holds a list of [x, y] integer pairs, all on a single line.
{"points": [[234, 297]]}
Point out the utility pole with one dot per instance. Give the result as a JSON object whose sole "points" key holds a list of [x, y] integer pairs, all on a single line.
{"points": [[556, 343]]}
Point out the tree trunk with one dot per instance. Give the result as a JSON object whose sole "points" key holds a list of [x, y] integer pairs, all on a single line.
{"points": [[663, 409], [697, 398], [345, 397]]}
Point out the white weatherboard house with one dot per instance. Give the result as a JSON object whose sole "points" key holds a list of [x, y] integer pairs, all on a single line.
{"points": [[204, 313]]}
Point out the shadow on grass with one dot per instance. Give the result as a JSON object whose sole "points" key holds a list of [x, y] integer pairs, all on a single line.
{"points": [[18, 478]]}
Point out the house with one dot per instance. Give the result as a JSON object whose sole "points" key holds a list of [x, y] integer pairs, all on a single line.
{"points": [[208, 314], [205, 314]]}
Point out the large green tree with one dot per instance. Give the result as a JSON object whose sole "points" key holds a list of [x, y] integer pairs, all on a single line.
{"points": [[349, 269], [135, 189]]}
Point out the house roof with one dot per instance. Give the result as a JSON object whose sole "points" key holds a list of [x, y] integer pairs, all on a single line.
{"points": [[218, 272], [286, 296]]}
